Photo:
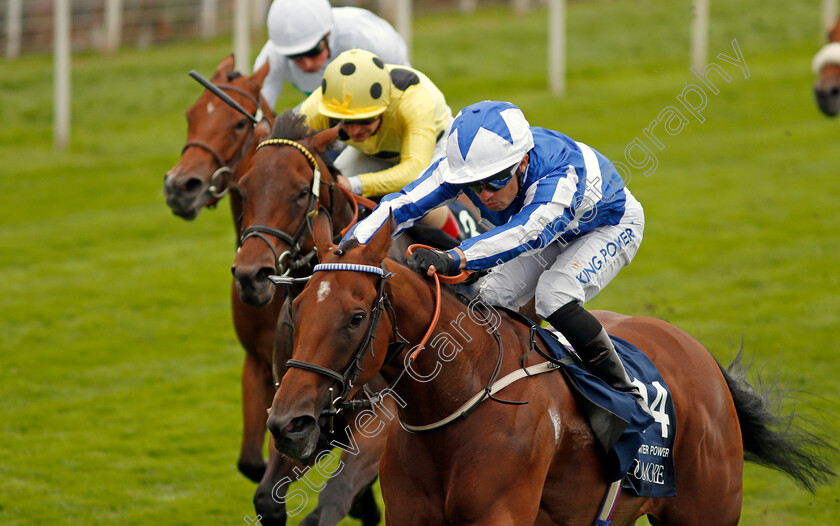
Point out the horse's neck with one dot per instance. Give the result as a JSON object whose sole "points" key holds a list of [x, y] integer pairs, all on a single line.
{"points": [[456, 362]]}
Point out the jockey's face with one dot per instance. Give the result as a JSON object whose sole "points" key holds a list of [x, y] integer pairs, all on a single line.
{"points": [[313, 60], [362, 129], [501, 199]]}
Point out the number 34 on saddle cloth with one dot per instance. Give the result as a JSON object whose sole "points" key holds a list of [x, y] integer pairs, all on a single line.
{"points": [[639, 446]]}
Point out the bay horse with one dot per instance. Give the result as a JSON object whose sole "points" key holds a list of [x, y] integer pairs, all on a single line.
{"points": [[220, 144], [826, 64], [286, 182], [504, 464]]}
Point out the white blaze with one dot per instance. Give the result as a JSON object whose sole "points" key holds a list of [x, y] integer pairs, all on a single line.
{"points": [[323, 291]]}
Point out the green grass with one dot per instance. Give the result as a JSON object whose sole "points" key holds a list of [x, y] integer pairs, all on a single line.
{"points": [[119, 369]]}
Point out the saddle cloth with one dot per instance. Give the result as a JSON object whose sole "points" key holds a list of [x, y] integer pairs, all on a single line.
{"points": [[639, 447]]}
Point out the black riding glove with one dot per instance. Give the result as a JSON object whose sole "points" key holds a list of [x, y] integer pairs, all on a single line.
{"points": [[423, 258]]}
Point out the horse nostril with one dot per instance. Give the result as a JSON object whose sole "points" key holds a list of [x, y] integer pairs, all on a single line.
{"points": [[296, 425], [264, 273], [192, 185], [834, 91], [300, 426]]}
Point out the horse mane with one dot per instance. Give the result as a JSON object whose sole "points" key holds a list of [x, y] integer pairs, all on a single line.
{"points": [[290, 125], [233, 75]]}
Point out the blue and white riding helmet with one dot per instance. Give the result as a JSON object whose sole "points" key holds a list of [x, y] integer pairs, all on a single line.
{"points": [[486, 138]]}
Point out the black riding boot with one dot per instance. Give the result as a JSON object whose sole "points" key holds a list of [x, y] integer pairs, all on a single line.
{"points": [[594, 347], [602, 360]]}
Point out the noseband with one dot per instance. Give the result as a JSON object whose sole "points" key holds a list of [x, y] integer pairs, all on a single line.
{"points": [[351, 373], [293, 240], [224, 167]]}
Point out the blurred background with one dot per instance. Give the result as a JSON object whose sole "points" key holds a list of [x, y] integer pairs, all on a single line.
{"points": [[119, 368]]}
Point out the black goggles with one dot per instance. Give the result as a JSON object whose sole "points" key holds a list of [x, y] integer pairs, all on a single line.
{"points": [[312, 53], [496, 182], [361, 122]]}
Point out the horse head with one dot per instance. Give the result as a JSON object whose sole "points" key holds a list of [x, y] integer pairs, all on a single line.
{"points": [[281, 191], [340, 340], [827, 65], [218, 141]]}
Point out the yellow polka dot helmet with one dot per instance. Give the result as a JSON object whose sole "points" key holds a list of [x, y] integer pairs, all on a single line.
{"points": [[356, 85]]}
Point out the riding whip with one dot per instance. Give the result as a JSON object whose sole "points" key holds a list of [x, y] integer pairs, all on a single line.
{"points": [[222, 95]]}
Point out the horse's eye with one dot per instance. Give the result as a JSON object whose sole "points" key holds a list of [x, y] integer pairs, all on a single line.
{"points": [[241, 124], [356, 320], [303, 193]]}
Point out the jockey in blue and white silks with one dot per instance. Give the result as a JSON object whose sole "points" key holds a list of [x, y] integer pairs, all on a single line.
{"points": [[564, 223]]}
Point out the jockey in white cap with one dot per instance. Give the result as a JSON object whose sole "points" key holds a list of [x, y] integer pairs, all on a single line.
{"points": [[566, 224], [306, 35]]}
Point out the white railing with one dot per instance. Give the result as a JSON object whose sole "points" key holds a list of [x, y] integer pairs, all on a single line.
{"points": [[108, 24]]}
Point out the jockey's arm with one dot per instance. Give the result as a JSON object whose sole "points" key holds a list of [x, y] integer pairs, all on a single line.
{"points": [[273, 83], [532, 228], [408, 205], [417, 116]]}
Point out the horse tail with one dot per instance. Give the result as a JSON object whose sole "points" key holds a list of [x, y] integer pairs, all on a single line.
{"points": [[773, 439]]}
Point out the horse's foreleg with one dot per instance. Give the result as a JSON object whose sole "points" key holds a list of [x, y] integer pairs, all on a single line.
{"points": [[256, 398], [270, 499], [350, 482]]}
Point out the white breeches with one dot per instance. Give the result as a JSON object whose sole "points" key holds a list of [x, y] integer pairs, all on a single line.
{"points": [[562, 273]]}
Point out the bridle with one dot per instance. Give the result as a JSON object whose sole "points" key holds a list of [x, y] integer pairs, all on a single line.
{"points": [[293, 240], [225, 167], [351, 373], [348, 378]]}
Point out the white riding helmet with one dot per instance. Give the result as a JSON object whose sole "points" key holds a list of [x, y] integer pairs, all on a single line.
{"points": [[296, 26], [485, 138]]}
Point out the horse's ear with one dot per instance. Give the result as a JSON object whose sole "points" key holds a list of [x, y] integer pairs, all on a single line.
{"points": [[378, 245], [322, 139], [224, 68], [262, 131], [259, 76], [323, 232]]}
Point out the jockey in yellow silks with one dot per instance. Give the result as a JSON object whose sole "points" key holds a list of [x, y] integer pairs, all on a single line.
{"points": [[393, 119]]}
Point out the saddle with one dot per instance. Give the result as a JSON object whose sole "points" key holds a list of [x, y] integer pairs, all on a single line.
{"points": [[638, 446]]}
